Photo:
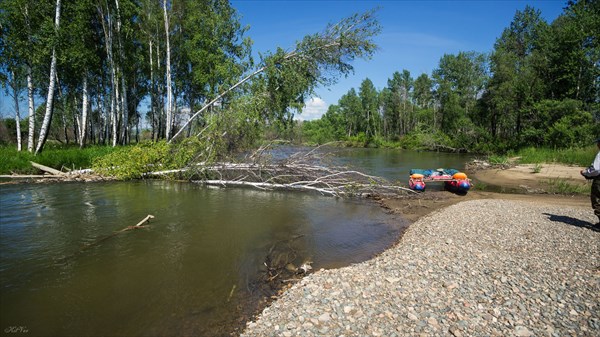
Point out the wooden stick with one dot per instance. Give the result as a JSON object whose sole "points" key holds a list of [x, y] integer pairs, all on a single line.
{"points": [[102, 239], [147, 218]]}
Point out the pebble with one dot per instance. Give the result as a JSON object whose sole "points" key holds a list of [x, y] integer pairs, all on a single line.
{"points": [[481, 267]]}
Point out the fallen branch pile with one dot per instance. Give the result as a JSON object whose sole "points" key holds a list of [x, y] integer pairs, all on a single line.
{"points": [[300, 172]]}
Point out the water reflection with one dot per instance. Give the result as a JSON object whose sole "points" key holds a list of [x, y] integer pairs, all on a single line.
{"points": [[192, 271]]}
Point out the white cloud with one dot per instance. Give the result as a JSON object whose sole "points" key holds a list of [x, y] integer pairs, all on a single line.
{"points": [[313, 109]]}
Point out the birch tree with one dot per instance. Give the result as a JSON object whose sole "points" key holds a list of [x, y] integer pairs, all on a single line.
{"points": [[51, 86], [169, 111], [318, 59], [15, 88]]}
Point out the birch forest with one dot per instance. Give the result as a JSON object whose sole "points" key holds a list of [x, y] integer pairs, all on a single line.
{"points": [[97, 63]]}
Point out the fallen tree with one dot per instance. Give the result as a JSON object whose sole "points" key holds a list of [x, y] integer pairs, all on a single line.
{"points": [[298, 172], [301, 171]]}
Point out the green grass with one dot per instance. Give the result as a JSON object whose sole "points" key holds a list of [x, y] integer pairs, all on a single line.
{"points": [[498, 160], [562, 186], [577, 157], [71, 157], [537, 168]]}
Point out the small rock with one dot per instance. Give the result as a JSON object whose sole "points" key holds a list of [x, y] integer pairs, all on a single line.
{"points": [[324, 318], [522, 331], [455, 331]]}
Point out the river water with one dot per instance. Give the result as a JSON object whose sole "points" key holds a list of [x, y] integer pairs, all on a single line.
{"points": [[195, 270]]}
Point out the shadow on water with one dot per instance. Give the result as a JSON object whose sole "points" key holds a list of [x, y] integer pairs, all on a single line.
{"points": [[572, 221]]}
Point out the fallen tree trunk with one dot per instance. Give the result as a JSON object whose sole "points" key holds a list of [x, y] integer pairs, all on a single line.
{"points": [[268, 186], [47, 169], [30, 176]]}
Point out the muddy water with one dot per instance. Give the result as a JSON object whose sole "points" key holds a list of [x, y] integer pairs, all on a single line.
{"points": [[195, 270]]}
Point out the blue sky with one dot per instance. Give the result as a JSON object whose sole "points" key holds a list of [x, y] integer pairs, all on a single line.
{"points": [[414, 36]]}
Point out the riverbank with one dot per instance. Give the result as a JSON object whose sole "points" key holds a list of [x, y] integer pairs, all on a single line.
{"points": [[479, 264], [479, 267]]}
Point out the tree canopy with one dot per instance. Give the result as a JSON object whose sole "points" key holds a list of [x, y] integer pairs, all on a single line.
{"points": [[538, 87]]}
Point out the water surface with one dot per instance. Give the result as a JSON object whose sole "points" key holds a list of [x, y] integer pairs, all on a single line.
{"points": [[193, 271]]}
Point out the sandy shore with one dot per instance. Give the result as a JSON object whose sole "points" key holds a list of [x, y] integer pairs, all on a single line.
{"points": [[524, 176]]}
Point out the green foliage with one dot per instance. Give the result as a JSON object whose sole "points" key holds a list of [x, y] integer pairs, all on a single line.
{"points": [[563, 186], [498, 160], [58, 157], [132, 162], [571, 156]]}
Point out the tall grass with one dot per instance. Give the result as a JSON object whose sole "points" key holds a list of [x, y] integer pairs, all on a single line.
{"points": [[577, 157], [70, 157], [562, 186]]}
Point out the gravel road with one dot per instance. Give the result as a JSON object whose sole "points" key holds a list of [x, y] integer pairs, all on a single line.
{"points": [[477, 268]]}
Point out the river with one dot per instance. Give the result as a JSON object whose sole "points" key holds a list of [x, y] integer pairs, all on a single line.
{"points": [[196, 269]]}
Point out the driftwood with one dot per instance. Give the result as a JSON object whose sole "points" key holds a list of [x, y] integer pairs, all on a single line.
{"points": [[137, 226], [104, 238], [47, 169]]}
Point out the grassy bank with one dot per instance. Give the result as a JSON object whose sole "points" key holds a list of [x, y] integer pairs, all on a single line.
{"points": [[577, 157], [57, 156], [72, 157]]}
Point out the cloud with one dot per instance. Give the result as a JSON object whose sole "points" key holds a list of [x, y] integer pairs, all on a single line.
{"points": [[313, 109]]}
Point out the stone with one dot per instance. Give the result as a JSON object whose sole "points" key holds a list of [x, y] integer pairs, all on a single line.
{"points": [[324, 317], [522, 331]]}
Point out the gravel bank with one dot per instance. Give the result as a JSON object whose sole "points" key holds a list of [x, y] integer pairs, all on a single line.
{"points": [[477, 268]]}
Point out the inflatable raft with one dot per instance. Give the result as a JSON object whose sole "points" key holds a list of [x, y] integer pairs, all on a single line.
{"points": [[454, 180]]}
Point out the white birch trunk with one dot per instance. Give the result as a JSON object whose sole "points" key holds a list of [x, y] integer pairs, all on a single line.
{"points": [[169, 112], [159, 97], [31, 106], [50, 98], [84, 112], [108, 42], [31, 135], [114, 107], [123, 101], [17, 112], [152, 90], [124, 112]]}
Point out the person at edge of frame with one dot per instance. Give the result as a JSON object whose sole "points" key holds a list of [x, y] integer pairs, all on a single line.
{"points": [[593, 172]]}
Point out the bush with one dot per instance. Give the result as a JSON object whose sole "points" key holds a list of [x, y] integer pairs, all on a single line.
{"points": [[133, 161]]}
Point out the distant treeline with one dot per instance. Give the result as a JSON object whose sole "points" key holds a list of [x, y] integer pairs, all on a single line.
{"points": [[540, 86]]}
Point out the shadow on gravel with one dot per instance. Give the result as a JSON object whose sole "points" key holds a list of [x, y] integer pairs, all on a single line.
{"points": [[572, 221]]}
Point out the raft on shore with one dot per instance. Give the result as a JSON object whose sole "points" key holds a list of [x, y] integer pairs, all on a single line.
{"points": [[453, 179]]}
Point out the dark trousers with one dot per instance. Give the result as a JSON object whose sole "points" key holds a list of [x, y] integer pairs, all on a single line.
{"points": [[595, 196]]}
